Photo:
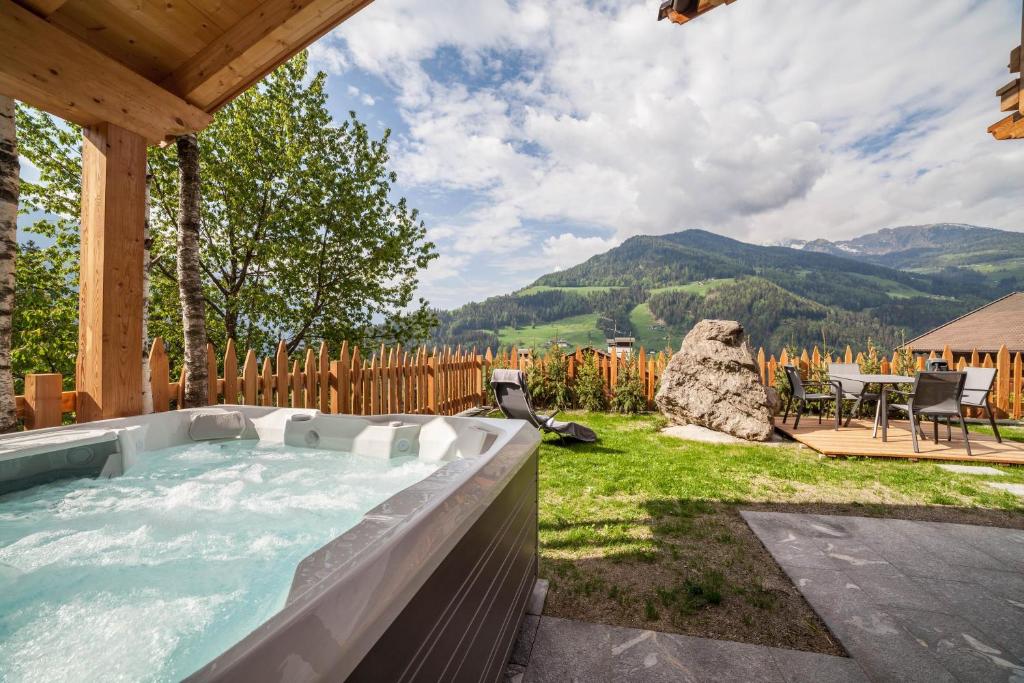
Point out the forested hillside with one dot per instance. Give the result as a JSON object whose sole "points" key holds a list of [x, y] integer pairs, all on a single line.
{"points": [[657, 287]]}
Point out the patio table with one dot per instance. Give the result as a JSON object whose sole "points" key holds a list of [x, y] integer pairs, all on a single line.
{"points": [[882, 381]]}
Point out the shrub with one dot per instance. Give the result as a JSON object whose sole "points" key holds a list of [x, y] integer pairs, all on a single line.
{"points": [[629, 396], [589, 385], [496, 364], [548, 380]]}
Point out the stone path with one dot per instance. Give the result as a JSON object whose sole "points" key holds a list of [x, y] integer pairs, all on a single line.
{"points": [[1015, 489], [982, 470], [566, 651], [910, 601]]}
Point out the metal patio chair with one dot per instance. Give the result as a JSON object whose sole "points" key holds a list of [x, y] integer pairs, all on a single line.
{"points": [[798, 392], [977, 389], [852, 390], [936, 395]]}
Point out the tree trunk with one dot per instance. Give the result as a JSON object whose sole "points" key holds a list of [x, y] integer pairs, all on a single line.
{"points": [[9, 189], [190, 286], [147, 243], [231, 322]]}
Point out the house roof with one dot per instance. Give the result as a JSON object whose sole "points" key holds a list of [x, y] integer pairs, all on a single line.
{"points": [[984, 329], [158, 69]]}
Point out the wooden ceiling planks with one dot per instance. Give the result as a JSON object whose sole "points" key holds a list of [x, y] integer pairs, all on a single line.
{"points": [[80, 84], [189, 54], [255, 46], [133, 36]]}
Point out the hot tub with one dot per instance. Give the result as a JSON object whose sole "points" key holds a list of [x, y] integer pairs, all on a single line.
{"points": [[306, 547]]}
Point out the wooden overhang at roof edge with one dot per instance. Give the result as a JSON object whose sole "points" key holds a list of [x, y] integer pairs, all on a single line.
{"points": [[682, 11], [1012, 126], [156, 69], [136, 73]]}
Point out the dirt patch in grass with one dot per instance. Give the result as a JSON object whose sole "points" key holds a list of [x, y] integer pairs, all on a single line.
{"points": [[1007, 519], [705, 574]]}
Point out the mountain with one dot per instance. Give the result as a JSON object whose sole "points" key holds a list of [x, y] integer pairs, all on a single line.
{"points": [[884, 286], [931, 248]]}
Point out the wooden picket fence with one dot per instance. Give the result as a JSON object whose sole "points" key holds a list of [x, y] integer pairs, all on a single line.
{"points": [[435, 381], [1006, 392], [386, 380]]}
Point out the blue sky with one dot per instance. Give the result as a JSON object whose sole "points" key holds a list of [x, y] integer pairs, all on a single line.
{"points": [[533, 135]]}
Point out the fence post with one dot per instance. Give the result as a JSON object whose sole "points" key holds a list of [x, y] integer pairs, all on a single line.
{"points": [[310, 377], [268, 383], [355, 392], [159, 376], [1016, 388], [42, 401], [211, 375], [250, 379], [325, 380], [298, 399], [230, 373], [432, 383]]}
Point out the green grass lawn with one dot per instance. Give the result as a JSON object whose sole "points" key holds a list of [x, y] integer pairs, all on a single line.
{"points": [[642, 529]]}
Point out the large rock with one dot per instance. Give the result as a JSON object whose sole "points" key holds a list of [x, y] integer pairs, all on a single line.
{"points": [[713, 382]]}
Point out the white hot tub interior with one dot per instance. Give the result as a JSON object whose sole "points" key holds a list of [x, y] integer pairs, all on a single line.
{"points": [[182, 547]]}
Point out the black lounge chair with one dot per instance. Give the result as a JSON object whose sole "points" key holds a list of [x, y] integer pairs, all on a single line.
{"points": [[514, 401], [936, 395]]}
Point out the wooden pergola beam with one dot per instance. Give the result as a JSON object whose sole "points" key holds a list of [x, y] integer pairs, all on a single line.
{"points": [[42, 8], [254, 47], [1010, 128], [109, 370], [42, 65]]}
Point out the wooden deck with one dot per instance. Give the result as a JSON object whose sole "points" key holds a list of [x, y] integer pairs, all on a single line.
{"points": [[856, 440]]}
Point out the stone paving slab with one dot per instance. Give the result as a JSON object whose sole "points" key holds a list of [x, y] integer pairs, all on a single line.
{"points": [[1015, 489], [565, 651], [973, 469], [910, 601]]}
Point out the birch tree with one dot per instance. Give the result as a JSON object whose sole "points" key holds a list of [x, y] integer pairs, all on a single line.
{"points": [[10, 170], [190, 285]]}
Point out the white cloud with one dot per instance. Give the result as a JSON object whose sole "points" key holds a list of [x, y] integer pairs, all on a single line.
{"points": [[761, 120], [566, 250], [328, 57]]}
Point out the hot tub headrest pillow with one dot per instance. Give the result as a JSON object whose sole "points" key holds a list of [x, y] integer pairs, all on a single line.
{"points": [[219, 425]]}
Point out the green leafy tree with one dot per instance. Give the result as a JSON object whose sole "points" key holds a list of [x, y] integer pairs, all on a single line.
{"points": [[45, 321], [301, 238]]}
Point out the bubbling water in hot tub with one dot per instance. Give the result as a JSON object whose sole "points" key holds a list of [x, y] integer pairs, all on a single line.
{"points": [[150, 575]]}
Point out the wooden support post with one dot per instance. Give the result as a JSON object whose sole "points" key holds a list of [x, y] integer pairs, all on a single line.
{"points": [[43, 401], [109, 372]]}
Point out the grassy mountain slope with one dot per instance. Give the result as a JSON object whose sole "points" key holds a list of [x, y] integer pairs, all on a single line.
{"points": [[657, 287]]}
